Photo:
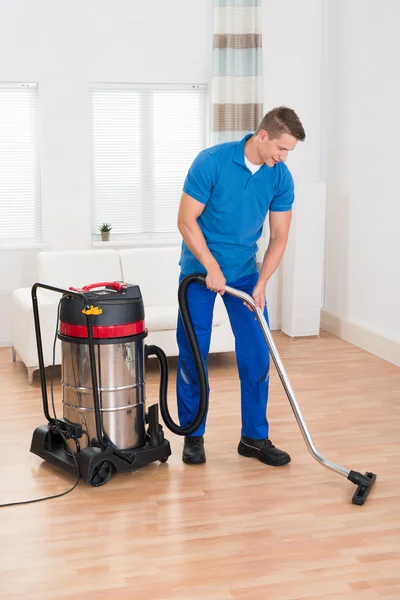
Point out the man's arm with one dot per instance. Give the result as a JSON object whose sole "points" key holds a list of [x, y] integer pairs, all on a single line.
{"points": [[189, 211], [279, 224]]}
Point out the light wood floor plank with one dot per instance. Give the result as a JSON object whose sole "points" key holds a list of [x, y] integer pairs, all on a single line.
{"points": [[232, 529]]}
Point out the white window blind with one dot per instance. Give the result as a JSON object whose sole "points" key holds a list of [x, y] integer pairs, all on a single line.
{"points": [[144, 138], [20, 195]]}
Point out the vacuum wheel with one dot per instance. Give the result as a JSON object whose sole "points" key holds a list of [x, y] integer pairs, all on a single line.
{"points": [[163, 460], [101, 473]]}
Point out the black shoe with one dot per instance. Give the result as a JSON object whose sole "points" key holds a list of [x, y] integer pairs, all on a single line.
{"points": [[193, 450], [264, 450]]}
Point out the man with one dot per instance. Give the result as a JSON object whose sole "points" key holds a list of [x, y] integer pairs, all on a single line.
{"points": [[227, 194]]}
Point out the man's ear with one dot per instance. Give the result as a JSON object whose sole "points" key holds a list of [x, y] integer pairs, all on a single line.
{"points": [[262, 135]]}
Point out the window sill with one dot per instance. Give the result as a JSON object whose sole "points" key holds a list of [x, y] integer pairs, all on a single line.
{"points": [[27, 246], [136, 244]]}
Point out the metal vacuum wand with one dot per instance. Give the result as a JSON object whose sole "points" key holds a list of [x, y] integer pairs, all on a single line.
{"points": [[364, 482]]}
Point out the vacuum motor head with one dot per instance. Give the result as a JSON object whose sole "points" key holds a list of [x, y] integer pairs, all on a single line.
{"points": [[116, 311]]}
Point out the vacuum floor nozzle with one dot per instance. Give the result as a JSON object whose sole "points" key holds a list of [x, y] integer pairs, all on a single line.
{"points": [[364, 486]]}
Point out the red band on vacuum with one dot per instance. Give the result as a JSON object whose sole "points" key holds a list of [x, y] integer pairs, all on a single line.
{"points": [[102, 331]]}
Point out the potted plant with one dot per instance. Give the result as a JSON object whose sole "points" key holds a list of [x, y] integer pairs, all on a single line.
{"points": [[105, 231]]}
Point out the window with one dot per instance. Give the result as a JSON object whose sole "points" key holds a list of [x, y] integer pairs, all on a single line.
{"points": [[20, 195], [144, 138]]}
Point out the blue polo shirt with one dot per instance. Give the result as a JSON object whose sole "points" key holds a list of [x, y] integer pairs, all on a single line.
{"points": [[236, 205]]}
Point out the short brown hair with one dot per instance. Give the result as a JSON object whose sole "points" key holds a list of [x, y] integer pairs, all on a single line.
{"points": [[282, 120]]}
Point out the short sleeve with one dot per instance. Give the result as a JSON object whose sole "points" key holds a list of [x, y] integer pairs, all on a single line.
{"points": [[201, 177], [284, 196]]}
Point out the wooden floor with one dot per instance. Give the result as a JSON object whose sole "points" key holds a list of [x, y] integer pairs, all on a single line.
{"points": [[232, 529]]}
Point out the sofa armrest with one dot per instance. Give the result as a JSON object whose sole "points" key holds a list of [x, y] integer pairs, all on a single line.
{"points": [[23, 334]]}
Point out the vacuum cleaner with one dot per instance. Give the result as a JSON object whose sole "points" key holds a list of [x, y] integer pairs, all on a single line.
{"points": [[105, 426]]}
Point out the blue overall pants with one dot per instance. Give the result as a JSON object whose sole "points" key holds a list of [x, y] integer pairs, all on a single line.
{"points": [[252, 356]]}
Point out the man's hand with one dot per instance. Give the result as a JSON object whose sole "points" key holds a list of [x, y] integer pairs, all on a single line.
{"points": [[258, 296], [216, 281]]}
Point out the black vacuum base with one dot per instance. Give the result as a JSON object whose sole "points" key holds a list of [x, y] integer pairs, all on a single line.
{"points": [[96, 464], [364, 485]]}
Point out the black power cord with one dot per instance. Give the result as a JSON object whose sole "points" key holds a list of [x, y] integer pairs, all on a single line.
{"points": [[57, 429]]}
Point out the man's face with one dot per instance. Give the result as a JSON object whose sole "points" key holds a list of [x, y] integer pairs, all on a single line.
{"points": [[275, 150]]}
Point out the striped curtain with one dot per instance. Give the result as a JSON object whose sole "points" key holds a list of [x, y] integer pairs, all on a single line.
{"points": [[237, 106]]}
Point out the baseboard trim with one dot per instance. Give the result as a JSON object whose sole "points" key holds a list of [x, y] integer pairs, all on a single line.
{"points": [[363, 338]]}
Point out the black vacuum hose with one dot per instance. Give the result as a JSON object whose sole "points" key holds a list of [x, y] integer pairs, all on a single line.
{"points": [[201, 374]]}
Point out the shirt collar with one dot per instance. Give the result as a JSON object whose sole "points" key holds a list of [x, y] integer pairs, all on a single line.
{"points": [[238, 156]]}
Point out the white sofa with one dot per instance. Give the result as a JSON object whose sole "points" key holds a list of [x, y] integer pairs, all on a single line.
{"points": [[155, 270]]}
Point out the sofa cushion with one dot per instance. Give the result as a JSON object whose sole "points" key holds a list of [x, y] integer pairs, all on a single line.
{"points": [[159, 318], [155, 271], [77, 268]]}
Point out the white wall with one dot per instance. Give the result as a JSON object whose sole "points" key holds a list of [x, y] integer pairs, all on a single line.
{"points": [[293, 50], [362, 293], [292, 74], [64, 45]]}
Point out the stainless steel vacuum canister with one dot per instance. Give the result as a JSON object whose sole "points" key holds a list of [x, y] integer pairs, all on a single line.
{"points": [[118, 330]]}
